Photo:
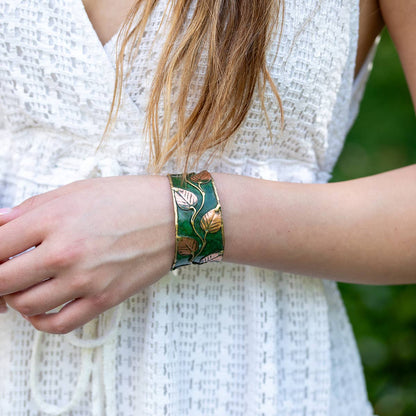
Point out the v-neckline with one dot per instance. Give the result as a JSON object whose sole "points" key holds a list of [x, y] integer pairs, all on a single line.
{"points": [[104, 55]]}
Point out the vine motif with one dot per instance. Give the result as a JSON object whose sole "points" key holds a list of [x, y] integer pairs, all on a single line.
{"points": [[197, 238]]}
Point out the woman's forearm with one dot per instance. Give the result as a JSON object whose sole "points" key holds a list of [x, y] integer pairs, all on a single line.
{"points": [[360, 231]]}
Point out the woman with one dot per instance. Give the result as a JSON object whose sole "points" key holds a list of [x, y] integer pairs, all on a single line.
{"points": [[262, 333]]}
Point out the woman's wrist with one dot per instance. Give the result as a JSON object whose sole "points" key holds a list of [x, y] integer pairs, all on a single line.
{"points": [[164, 233], [352, 231], [232, 199]]}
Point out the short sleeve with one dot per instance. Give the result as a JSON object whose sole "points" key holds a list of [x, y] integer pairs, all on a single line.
{"points": [[360, 83]]}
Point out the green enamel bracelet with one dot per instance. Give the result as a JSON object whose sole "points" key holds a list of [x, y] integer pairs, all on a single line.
{"points": [[198, 219]]}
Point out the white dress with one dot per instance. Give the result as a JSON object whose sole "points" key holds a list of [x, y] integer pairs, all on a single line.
{"points": [[218, 339]]}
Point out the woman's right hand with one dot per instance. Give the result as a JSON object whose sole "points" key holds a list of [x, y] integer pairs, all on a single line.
{"points": [[85, 247]]}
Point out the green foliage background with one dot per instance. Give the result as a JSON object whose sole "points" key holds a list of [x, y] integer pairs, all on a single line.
{"points": [[383, 317]]}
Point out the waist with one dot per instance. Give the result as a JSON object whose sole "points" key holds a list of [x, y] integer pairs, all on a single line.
{"points": [[51, 158]]}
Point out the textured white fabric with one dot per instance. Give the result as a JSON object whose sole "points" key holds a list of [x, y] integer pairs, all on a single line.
{"points": [[219, 339]]}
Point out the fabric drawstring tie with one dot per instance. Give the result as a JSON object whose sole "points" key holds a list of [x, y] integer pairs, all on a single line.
{"points": [[94, 166], [98, 356]]}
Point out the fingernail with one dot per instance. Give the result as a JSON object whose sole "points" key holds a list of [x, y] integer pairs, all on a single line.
{"points": [[4, 211]]}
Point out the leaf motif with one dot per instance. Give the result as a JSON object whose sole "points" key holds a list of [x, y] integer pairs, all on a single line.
{"points": [[187, 246], [212, 257], [211, 221], [185, 199], [203, 176]]}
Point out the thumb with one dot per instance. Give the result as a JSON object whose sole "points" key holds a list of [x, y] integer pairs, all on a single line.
{"points": [[9, 214]]}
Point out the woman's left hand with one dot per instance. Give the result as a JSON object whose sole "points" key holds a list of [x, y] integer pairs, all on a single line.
{"points": [[94, 243]]}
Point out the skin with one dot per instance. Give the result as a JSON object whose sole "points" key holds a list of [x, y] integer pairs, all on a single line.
{"points": [[93, 250], [106, 16]]}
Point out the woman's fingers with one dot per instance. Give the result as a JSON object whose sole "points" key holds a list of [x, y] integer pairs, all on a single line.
{"points": [[6, 215], [9, 214], [24, 271], [36, 201], [71, 316], [21, 234], [42, 297]]}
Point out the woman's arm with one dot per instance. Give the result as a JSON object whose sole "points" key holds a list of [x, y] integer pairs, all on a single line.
{"points": [[361, 231], [100, 241]]}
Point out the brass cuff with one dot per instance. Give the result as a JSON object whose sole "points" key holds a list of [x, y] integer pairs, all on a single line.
{"points": [[198, 219]]}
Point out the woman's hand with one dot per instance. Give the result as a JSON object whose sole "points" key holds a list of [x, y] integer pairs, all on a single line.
{"points": [[97, 242]]}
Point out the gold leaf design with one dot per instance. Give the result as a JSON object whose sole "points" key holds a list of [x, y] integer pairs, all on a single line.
{"points": [[211, 221], [212, 257], [185, 199], [203, 176], [187, 246]]}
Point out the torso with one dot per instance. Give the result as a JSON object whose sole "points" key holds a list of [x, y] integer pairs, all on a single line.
{"points": [[107, 16]]}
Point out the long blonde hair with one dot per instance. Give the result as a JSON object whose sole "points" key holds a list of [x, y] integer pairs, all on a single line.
{"points": [[235, 34]]}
